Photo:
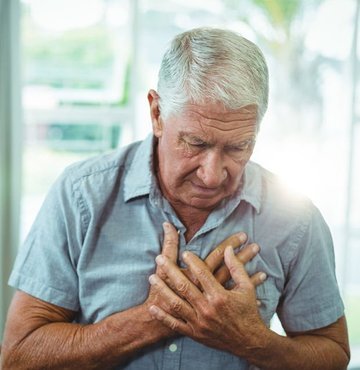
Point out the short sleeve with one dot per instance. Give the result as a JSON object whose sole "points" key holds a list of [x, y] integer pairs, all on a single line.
{"points": [[311, 297], [46, 264]]}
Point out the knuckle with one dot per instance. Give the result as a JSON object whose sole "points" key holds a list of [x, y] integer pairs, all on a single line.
{"points": [[182, 287], [173, 325], [161, 273], [170, 284], [176, 306], [207, 312], [169, 242], [233, 269], [215, 304], [218, 301], [219, 251], [202, 274]]}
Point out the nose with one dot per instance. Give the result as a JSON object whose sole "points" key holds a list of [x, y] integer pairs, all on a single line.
{"points": [[212, 170]]}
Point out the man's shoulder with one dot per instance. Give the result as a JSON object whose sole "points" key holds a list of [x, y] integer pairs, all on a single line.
{"points": [[277, 198], [108, 164], [287, 218]]}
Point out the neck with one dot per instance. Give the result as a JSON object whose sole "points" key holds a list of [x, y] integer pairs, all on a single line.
{"points": [[192, 218]]}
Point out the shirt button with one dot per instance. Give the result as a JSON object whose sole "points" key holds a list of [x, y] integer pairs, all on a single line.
{"points": [[173, 347]]}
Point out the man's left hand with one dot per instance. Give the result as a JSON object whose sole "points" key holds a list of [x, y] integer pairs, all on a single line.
{"points": [[210, 314]]}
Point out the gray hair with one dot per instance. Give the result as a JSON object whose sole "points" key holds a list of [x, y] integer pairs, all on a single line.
{"points": [[208, 64]]}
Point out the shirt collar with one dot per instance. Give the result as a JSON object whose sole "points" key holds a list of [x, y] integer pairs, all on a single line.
{"points": [[141, 179], [252, 190]]}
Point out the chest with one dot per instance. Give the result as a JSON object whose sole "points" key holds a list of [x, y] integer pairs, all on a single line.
{"points": [[118, 257]]}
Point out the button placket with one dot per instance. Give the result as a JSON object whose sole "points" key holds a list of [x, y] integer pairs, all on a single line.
{"points": [[172, 354]]}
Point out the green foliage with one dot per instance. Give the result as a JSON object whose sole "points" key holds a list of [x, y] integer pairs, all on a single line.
{"points": [[78, 58], [282, 37], [91, 47], [280, 12]]}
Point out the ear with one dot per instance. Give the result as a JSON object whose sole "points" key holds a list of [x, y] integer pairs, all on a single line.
{"points": [[157, 126]]}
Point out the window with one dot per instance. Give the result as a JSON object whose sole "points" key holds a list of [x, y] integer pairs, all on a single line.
{"points": [[76, 72]]}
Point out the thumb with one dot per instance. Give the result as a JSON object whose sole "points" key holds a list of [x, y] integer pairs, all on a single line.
{"points": [[171, 242]]}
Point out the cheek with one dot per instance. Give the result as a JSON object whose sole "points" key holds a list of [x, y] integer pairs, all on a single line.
{"points": [[183, 169], [236, 171]]}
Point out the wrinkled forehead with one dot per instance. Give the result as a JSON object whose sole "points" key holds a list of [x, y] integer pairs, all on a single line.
{"points": [[215, 115], [214, 124], [218, 110]]}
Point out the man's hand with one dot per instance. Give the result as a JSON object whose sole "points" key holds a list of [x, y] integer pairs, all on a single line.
{"points": [[214, 262], [220, 318]]}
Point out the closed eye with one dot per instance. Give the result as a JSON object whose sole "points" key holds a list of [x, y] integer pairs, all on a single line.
{"points": [[237, 148], [245, 145], [196, 142], [199, 144]]}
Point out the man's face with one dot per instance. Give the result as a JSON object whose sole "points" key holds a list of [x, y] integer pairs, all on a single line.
{"points": [[202, 152]]}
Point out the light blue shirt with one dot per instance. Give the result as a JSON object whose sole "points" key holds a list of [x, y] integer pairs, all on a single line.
{"points": [[94, 242]]}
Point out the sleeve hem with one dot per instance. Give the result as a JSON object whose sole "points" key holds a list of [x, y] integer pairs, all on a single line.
{"points": [[313, 321], [41, 291]]}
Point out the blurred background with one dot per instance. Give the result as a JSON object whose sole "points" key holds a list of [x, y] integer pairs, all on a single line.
{"points": [[74, 75]]}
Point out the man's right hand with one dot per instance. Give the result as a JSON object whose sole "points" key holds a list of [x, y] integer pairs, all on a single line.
{"points": [[214, 261]]}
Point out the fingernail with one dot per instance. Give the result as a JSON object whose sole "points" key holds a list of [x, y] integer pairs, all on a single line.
{"points": [[160, 260], [255, 248], [263, 276], [152, 279], [242, 237], [166, 226], [185, 254]]}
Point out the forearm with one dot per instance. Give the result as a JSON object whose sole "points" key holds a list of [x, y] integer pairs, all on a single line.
{"points": [[73, 346], [306, 352]]}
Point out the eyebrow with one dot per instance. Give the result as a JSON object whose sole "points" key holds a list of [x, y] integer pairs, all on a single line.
{"points": [[243, 143], [188, 135]]}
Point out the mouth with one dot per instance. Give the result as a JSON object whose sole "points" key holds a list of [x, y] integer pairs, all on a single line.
{"points": [[206, 191]]}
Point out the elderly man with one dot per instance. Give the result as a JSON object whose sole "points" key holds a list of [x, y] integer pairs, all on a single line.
{"points": [[93, 290]]}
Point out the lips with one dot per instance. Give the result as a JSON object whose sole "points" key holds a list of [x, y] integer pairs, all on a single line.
{"points": [[203, 190]]}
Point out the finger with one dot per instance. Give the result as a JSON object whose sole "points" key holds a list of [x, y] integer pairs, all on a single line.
{"points": [[236, 268], [170, 245], [258, 278], [248, 253], [201, 272], [216, 257], [171, 242], [178, 281], [172, 302], [245, 255], [190, 276], [168, 320]]}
